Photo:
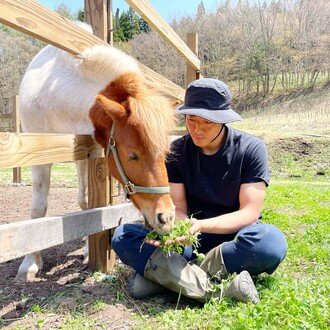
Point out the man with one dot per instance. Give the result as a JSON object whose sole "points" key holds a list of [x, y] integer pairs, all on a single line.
{"points": [[218, 177]]}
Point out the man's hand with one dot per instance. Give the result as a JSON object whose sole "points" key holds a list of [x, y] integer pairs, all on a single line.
{"points": [[182, 240]]}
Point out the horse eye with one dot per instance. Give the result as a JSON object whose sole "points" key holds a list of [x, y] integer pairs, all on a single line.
{"points": [[133, 156]]}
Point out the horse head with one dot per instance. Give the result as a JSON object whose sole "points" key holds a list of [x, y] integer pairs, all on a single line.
{"points": [[142, 119]]}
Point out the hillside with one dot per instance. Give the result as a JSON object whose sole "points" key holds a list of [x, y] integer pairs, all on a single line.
{"points": [[297, 134]]}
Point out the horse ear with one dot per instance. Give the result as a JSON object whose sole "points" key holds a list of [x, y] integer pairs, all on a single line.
{"points": [[175, 103], [112, 108]]}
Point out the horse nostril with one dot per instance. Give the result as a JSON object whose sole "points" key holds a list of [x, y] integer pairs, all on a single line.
{"points": [[161, 218]]}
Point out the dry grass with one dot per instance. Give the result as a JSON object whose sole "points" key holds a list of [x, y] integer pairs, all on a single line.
{"points": [[307, 115]]}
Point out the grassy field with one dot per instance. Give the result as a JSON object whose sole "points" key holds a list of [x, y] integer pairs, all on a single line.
{"points": [[296, 296]]}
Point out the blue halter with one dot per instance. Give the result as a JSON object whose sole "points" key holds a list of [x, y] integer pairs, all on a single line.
{"points": [[129, 187]]}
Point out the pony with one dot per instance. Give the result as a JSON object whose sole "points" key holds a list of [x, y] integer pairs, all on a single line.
{"points": [[101, 92]]}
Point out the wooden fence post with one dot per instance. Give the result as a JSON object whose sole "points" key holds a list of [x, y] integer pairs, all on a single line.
{"points": [[16, 123], [100, 189], [192, 43], [96, 16], [101, 255], [110, 22]]}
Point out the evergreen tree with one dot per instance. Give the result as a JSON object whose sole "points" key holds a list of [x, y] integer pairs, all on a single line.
{"points": [[144, 26], [127, 25], [81, 15], [201, 11]]}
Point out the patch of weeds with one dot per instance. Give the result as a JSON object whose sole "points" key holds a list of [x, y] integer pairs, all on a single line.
{"points": [[97, 276], [36, 309], [79, 321], [120, 296], [154, 310], [54, 299], [98, 304], [40, 323]]}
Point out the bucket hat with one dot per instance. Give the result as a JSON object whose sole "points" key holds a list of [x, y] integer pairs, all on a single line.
{"points": [[210, 99]]}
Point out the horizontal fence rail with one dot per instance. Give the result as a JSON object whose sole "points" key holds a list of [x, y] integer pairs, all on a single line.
{"points": [[26, 149], [20, 238], [148, 13], [32, 18]]}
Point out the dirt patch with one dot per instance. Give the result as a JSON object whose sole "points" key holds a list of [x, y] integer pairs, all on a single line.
{"points": [[65, 285], [299, 157], [298, 146], [64, 289], [66, 293], [16, 201]]}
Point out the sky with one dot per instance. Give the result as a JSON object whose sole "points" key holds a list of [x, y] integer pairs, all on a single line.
{"points": [[168, 9]]}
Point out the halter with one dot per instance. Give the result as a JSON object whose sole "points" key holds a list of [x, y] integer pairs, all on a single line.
{"points": [[129, 187]]}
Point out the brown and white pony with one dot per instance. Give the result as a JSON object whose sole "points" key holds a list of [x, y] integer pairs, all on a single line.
{"points": [[102, 87]]}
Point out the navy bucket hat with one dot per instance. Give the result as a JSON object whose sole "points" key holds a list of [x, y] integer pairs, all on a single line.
{"points": [[210, 99]]}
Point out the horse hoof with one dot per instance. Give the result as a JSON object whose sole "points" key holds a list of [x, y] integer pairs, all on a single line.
{"points": [[85, 260], [85, 255], [30, 266], [24, 276]]}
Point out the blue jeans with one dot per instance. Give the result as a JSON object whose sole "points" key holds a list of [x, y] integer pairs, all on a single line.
{"points": [[256, 248]]}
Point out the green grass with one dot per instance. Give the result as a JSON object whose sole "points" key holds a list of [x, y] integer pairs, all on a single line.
{"points": [[297, 295], [62, 175]]}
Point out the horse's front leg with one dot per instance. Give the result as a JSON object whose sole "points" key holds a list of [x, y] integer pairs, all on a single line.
{"points": [[82, 171], [32, 263]]}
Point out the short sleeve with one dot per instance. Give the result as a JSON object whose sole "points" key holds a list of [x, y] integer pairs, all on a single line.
{"points": [[174, 163], [255, 164]]}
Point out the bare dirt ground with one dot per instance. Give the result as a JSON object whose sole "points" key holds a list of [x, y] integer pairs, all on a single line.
{"points": [[65, 289]]}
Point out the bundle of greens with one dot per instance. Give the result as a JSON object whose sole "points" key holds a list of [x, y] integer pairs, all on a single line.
{"points": [[169, 242]]}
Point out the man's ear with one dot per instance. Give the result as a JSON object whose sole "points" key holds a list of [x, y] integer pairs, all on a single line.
{"points": [[175, 103]]}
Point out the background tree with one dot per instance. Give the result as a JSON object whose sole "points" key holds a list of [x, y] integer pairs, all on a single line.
{"points": [[127, 25]]}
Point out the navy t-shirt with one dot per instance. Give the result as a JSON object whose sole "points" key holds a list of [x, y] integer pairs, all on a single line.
{"points": [[212, 182]]}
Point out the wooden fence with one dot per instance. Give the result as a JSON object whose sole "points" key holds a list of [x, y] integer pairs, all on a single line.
{"points": [[16, 149], [15, 124]]}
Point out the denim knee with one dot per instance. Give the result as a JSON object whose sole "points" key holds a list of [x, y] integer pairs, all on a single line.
{"points": [[128, 243], [257, 248]]}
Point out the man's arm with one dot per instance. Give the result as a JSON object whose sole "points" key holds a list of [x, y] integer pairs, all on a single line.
{"points": [[251, 197], [178, 195]]}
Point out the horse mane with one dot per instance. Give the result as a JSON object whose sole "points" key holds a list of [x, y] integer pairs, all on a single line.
{"points": [[150, 112], [154, 126]]}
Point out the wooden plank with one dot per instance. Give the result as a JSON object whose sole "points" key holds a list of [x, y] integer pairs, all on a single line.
{"points": [[192, 42], [28, 149], [96, 16], [16, 121], [148, 13], [32, 18], [101, 256], [20, 238], [110, 22]]}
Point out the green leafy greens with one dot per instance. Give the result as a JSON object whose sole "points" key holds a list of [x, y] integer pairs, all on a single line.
{"points": [[169, 242]]}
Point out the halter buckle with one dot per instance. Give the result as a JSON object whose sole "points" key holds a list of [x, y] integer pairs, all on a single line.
{"points": [[129, 188], [112, 142]]}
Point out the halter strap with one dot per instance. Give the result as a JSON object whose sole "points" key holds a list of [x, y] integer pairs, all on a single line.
{"points": [[129, 187]]}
